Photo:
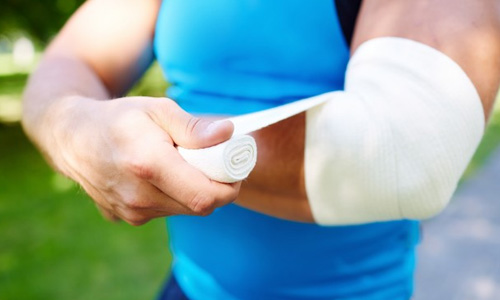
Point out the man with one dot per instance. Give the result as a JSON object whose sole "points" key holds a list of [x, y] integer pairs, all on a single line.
{"points": [[230, 57]]}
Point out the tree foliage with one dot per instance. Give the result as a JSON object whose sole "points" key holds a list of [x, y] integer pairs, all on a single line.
{"points": [[40, 19]]}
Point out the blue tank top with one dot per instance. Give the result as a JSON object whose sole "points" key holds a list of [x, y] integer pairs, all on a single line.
{"points": [[239, 56]]}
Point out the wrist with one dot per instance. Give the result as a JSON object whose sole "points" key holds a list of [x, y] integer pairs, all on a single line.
{"points": [[52, 126]]}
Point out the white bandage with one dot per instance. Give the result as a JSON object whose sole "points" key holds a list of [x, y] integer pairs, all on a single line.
{"points": [[228, 162], [233, 160], [395, 143]]}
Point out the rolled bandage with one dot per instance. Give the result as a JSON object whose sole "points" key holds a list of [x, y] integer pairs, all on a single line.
{"points": [[392, 145], [233, 160], [230, 161]]}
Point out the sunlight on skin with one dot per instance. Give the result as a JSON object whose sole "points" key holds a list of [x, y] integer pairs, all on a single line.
{"points": [[110, 59]]}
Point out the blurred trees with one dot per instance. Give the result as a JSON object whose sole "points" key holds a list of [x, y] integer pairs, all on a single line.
{"points": [[39, 19]]}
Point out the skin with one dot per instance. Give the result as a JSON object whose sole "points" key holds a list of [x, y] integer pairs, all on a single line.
{"points": [[122, 152], [466, 31]]}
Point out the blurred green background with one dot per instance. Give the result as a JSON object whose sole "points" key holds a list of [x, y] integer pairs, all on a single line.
{"points": [[53, 242]]}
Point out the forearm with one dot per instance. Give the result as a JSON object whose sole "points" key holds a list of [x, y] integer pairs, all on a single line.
{"points": [[276, 186], [275, 203], [55, 79], [121, 152], [466, 31], [90, 58], [394, 143], [407, 19]]}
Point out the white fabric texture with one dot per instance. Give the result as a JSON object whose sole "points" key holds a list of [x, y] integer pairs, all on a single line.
{"points": [[395, 143], [228, 162], [392, 145], [233, 160]]}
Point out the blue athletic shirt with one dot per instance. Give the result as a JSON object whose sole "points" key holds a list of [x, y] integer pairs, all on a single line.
{"points": [[240, 56]]}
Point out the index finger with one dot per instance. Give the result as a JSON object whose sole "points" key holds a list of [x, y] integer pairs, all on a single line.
{"points": [[162, 166]]}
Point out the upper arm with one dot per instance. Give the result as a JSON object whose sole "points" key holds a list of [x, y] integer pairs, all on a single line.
{"points": [[113, 37], [467, 31]]}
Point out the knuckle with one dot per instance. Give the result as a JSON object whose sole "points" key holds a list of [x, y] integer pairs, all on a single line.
{"points": [[192, 124], [202, 204], [137, 223], [134, 202], [165, 107], [140, 168], [135, 219]]}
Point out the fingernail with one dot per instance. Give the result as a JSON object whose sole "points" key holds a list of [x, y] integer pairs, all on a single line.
{"points": [[215, 126]]}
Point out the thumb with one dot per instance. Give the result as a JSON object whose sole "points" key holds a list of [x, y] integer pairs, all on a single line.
{"points": [[193, 132]]}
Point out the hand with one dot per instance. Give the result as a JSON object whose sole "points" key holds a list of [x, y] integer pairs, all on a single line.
{"points": [[122, 152]]}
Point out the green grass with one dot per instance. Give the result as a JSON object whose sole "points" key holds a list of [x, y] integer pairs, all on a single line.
{"points": [[53, 242], [10, 89], [55, 245]]}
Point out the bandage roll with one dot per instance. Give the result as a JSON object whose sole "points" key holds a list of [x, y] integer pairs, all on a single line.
{"points": [[234, 159], [228, 162], [393, 145]]}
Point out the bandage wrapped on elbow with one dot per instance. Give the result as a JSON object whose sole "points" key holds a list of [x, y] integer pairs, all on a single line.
{"points": [[393, 144]]}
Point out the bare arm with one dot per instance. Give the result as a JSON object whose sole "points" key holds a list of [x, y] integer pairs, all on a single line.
{"points": [[121, 151], [467, 31], [83, 60]]}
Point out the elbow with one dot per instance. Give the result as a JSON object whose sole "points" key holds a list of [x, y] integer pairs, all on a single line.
{"points": [[377, 191], [427, 196]]}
